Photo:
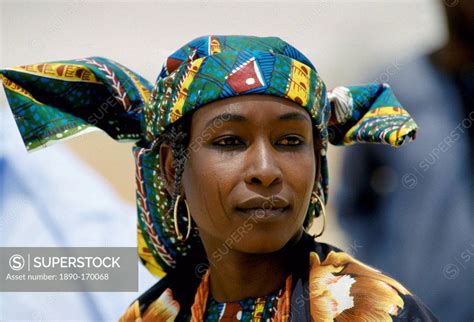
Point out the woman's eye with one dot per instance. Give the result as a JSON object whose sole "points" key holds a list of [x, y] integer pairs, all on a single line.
{"points": [[292, 141], [234, 142], [227, 141]]}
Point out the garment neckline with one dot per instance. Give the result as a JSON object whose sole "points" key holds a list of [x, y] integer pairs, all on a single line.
{"points": [[276, 293]]}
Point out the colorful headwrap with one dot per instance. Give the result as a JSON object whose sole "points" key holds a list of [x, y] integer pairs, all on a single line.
{"points": [[57, 100]]}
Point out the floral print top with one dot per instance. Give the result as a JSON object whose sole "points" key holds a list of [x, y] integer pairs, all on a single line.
{"points": [[328, 285]]}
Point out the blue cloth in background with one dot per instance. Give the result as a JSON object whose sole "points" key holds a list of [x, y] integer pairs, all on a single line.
{"points": [[410, 210], [51, 198]]}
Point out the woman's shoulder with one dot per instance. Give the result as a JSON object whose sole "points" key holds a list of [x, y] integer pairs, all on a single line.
{"points": [[169, 299], [357, 289], [156, 304]]}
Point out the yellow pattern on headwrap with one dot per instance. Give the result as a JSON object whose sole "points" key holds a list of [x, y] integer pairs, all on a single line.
{"points": [[61, 71], [145, 254], [177, 108], [375, 115], [298, 86], [17, 89], [214, 46], [142, 90]]}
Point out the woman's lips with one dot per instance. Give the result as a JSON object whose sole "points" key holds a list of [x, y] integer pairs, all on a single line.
{"points": [[262, 214]]}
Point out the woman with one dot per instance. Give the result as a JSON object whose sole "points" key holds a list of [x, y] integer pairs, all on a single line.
{"points": [[231, 171]]}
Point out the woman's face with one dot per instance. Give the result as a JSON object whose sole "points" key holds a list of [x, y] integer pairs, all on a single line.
{"points": [[247, 155]]}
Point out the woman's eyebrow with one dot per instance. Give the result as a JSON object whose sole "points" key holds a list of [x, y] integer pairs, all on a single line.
{"points": [[230, 117], [227, 117], [294, 116]]}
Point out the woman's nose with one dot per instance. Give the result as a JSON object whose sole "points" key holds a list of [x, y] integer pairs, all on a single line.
{"points": [[262, 165]]}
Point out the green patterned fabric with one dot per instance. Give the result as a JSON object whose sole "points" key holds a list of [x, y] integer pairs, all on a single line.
{"points": [[58, 100]]}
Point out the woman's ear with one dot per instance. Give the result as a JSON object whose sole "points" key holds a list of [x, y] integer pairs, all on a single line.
{"points": [[166, 167]]}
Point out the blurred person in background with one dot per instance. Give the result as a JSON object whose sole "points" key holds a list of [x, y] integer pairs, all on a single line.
{"points": [[67, 205], [417, 207]]}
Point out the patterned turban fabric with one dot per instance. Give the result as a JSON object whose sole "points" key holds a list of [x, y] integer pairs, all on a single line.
{"points": [[58, 100]]}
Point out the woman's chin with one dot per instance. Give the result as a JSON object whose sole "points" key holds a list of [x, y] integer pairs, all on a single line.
{"points": [[262, 243]]}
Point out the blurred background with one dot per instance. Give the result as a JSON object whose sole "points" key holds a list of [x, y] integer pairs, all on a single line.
{"points": [[349, 42]]}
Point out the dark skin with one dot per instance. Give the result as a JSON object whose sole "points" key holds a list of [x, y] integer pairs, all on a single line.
{"points": [[240, 159]]}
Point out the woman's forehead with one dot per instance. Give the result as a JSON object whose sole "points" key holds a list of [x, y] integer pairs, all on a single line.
{"points": [[247, 108]]}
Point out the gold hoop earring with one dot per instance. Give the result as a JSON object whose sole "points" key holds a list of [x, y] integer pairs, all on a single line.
{"points": [[175, 213], [315, 198]]}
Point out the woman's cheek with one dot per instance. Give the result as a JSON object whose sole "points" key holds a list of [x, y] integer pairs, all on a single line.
{"points": [[302, 179], [300, 171]]}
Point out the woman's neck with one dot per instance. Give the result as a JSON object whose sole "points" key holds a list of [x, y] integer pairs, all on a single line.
{"points": [[243, 275]]}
